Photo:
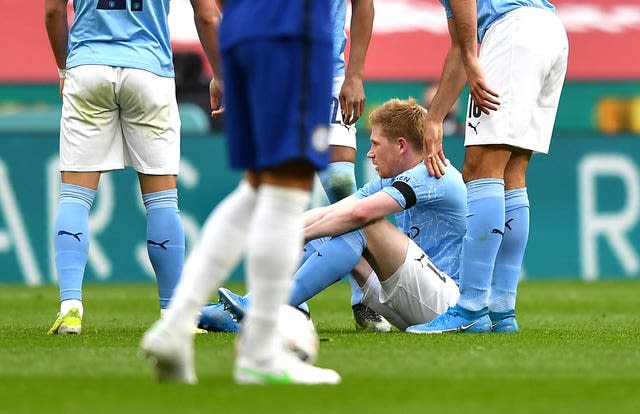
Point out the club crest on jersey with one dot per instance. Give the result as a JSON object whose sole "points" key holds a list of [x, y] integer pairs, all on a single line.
{"points": [[320, 138]]}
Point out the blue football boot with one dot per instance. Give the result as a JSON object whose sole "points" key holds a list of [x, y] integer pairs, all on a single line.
{"points": [[214, 318], [455, 319], [504, 322], [235, 304]]}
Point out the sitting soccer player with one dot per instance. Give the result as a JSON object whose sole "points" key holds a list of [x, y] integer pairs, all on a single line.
{"points": [[416, 263]]}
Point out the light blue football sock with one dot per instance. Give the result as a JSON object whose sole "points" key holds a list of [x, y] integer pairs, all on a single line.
{"points": [[508, 267], [71, 238], [485, 227], [339, 181], [310, 248], [356, 292], [334, 259], [165, 241]]}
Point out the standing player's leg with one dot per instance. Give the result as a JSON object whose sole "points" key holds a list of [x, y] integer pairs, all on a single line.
{"points": [[90, 141], [71, 247], [482, 171], [538, 103], [541, 96], [489, 141], [508, 264], [272, 255], [151, 130], [169, 343], [165, 233], [291, 145]]}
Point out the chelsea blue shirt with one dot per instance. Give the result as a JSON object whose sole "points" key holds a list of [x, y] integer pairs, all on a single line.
{"points": [[490, 11], [433, 212], [250, 19], [121, 33]]}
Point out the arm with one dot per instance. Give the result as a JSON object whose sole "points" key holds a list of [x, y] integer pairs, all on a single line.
{"points": [[352, 98], [316, 214], [466, 23], [351, 213], [452, 80], [55, 20], [207, 19]]}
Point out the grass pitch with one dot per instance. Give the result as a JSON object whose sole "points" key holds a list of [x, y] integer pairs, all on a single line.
{"points": [[578, 351]]}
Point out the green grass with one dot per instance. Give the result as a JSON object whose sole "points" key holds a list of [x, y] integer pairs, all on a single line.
{"points": [[578, 351]]}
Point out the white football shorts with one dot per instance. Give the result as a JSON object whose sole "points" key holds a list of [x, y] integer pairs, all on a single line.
{"points": [[524, 58], [417, 291], [115, 117], [339, 133]]}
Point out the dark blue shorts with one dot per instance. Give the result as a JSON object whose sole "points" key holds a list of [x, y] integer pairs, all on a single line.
{"points": [[277, 95]]}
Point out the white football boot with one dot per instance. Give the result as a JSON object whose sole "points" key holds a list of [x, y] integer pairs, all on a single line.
{"points": [[287, 369], [170, 353]]}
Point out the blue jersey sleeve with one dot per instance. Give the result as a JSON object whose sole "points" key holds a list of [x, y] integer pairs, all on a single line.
{"points": [[372, 187], [415, 186]]}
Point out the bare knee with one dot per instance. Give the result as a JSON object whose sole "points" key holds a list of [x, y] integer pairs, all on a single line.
{"points": [[155, 183], [516, 170], [485, 161]]}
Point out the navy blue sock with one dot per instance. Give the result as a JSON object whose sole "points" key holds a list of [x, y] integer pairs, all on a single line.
{"points": [[71, 238], [165, 241], [485, 227], [330, 263], [508, 267]]}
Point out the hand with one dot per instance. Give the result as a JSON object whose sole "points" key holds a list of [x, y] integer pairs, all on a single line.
{"points": [[482, 95], [434, 158], [216, 91], [352, 100]]}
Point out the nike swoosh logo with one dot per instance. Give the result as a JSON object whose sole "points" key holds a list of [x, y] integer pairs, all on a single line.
{"points": [[464, 327]]}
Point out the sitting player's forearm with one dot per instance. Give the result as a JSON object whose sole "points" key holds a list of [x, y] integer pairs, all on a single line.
{"points": [[334, 224], [313, 215]]}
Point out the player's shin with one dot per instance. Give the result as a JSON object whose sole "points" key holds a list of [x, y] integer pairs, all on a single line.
{"points": [[71, 240], [334, 259], [273, 250], [485, 228], [165, 241], [508, 265]]}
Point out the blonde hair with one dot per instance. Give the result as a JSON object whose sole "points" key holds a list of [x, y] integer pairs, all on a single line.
{"points": [[400, 118]]}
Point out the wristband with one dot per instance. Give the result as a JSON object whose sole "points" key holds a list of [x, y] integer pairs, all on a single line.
{"points": [[62, 73]]}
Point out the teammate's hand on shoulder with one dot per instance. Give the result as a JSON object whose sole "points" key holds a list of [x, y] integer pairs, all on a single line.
{"points": [[434, 158]]}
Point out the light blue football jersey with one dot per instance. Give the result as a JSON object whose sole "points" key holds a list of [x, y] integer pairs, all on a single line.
{"points": [[434, 212], [339, 18], [491, 10], [121, 33]]}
